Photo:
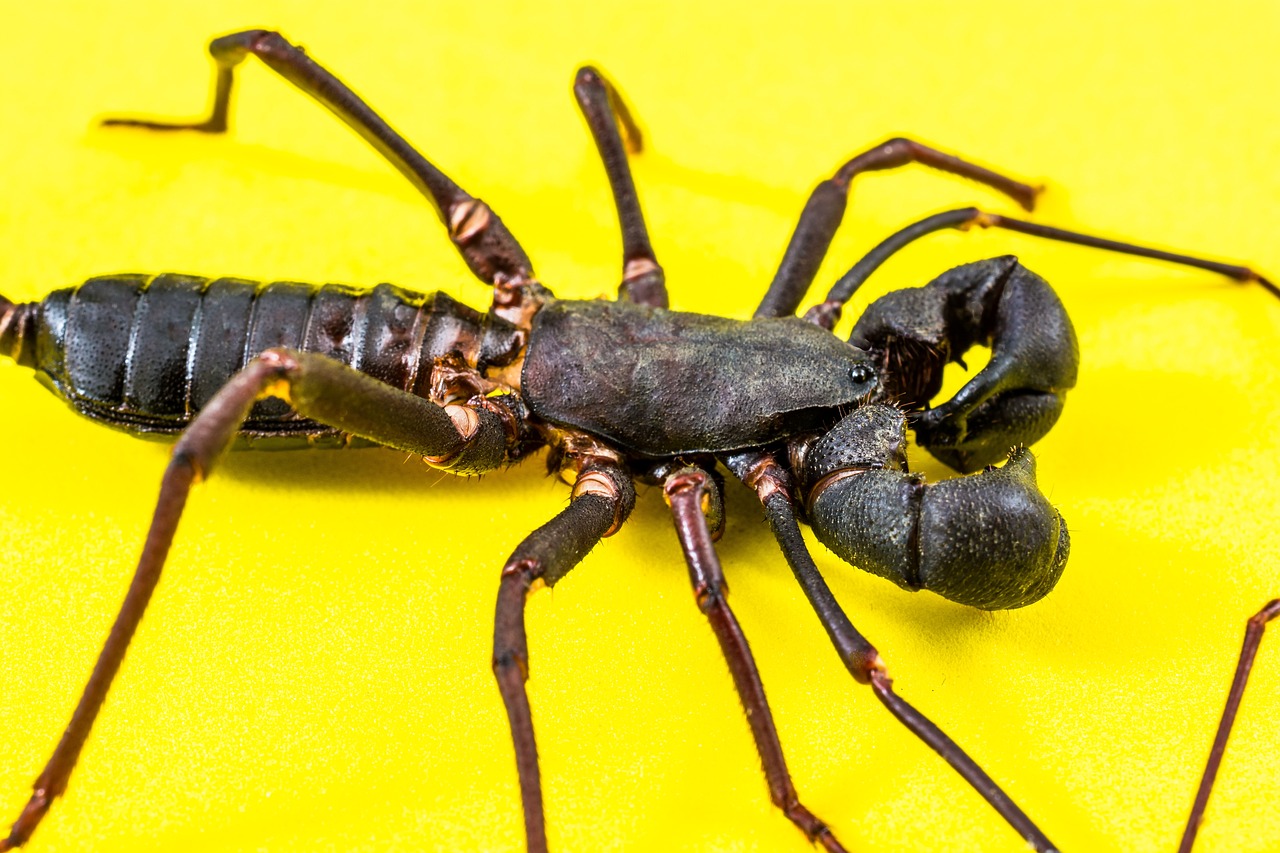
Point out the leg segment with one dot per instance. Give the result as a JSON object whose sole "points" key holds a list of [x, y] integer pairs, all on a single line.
{"points": [[824, 210], [760, 472], [686, 490], [488, 247], [465, 440], [606, 113], [602, 499], [827, 313], [1252, 638]]}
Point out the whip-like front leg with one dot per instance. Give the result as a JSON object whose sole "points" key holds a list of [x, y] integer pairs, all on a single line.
{"points": [[824, 210], [827, 313], [462, 439], [603, 497], [759, 471], [489, 249], [687, 489]]}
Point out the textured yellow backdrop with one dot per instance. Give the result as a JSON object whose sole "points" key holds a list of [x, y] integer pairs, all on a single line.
{"points": [[314, 675]]}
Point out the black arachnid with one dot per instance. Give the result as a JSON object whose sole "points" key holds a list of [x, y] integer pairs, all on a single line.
{"points": [[840, 429]]}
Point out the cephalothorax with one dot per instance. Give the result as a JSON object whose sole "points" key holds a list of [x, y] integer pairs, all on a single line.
{"points": [[619, 391]]}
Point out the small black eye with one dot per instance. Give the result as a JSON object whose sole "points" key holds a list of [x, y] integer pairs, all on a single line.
{"points": [[861, 374]]}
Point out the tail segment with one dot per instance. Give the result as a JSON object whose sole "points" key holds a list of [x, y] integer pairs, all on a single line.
{"points": [[18, 331]]}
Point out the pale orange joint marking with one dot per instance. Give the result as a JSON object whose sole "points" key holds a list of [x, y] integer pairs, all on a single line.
{"points": [[877, 664], [11, 324], [980, 220], [599, 483], [682, 482], [595, 483], [766, 479], [637, 267], [520, 567], [468, 219], [467, 423]]}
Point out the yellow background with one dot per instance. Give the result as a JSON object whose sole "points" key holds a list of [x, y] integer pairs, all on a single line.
{"points": [[314, 673]]}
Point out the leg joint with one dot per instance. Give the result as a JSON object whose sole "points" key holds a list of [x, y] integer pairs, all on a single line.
{"points": [[606, 480], [711, 595], [508, 660], [529, 571], [484, 442]]}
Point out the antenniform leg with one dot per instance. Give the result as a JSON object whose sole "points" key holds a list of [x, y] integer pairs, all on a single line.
{"points": [[607, 114], [602, 499], [824, 210], [489, 249], [759, 471], [686, 491], [1252, 638], [459, 438], [827, 313]]}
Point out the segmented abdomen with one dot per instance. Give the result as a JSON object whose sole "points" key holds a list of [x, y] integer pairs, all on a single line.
{"points": [[145, 353]]}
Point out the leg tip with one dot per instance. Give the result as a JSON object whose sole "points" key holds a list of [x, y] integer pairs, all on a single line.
{"points": [[208, 126], [1028, 195]]}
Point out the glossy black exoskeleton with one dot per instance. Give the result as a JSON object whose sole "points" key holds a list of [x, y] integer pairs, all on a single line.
{"points": [[619, 391]]}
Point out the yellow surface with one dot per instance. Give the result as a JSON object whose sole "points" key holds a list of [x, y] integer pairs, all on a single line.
{"points": [[314, 672]]}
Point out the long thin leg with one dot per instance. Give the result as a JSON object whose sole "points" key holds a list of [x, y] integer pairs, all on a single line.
{"points": [[319, 388], [488, 247], [827, 313], [759, 471], [602, 498], [607, 114], [824, 210], [686, 490], [1252, 638]]}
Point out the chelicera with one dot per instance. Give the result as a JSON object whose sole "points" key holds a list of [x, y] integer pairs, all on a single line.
{"points": [[619, 391]]}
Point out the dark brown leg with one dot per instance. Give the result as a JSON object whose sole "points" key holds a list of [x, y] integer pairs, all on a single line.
{"points": [[759, 471], [602, 499], [686, 490], [490, 250], [824, 210], [1252, 637], [827, 313], [606, 113], [319, 388]]}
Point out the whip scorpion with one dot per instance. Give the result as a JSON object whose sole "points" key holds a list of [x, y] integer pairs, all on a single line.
{"points": [[618, 392]]}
